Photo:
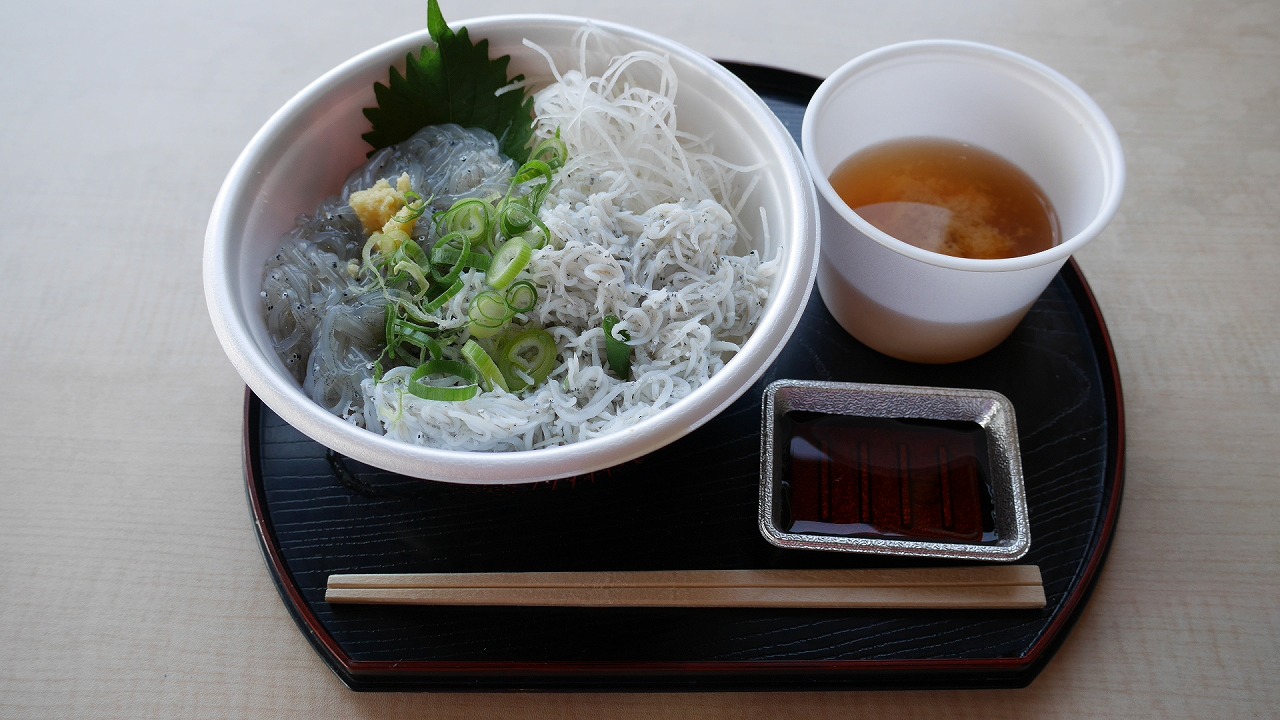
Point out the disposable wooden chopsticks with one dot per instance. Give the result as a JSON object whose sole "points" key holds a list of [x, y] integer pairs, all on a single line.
{"points": [[973, 587]]}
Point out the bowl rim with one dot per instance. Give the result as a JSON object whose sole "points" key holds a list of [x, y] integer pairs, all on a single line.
{"points": [[518, 467]]}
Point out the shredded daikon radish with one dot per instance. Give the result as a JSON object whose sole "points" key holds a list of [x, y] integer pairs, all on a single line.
{"points": [[645, 227]]}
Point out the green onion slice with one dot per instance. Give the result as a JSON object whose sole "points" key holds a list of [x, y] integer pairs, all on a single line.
{"points": [[366, 256], [488, 314], [391, 316], [552, 151], [445, 296], [616, 349], [537, 175], [533, 170], [514, 218], [414, 206], [418, 337], [472, 217], [407, 263], [490, 376], [423, 381], [507, 263], [402, 331], [410, 250], [522, 296], [409, 306], [413, 270], [451, 255], [462, 244], [374, 260], [527, 357], [536, 237]]}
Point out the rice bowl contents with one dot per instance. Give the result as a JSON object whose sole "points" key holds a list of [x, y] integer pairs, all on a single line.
{"points": [[642, 226]]}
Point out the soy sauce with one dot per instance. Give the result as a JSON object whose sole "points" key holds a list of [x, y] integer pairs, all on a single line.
{"points": [[887, 478]]}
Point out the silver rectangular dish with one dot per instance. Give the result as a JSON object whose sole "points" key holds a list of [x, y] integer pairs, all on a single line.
{"points": [[892, 470]]}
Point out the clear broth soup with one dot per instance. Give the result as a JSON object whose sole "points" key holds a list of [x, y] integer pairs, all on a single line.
{"points": [[948, 197]]}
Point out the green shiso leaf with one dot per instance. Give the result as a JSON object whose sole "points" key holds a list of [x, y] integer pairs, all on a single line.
{"points": [[453, 82]]}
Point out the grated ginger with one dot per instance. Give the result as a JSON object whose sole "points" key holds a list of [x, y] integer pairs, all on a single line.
{"points": [[377, 206]]}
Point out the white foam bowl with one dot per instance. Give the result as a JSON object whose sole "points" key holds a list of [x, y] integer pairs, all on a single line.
{"points": [[306, 149]]}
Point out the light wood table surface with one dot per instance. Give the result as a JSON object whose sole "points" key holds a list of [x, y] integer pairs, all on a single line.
{"points": [[131, 583]]}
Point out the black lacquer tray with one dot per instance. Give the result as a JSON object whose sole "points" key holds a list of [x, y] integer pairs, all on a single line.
{"points": [[693, 505]]}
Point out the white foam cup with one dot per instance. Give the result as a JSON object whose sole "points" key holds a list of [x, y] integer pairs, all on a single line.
{"points": [[922, 306]]}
